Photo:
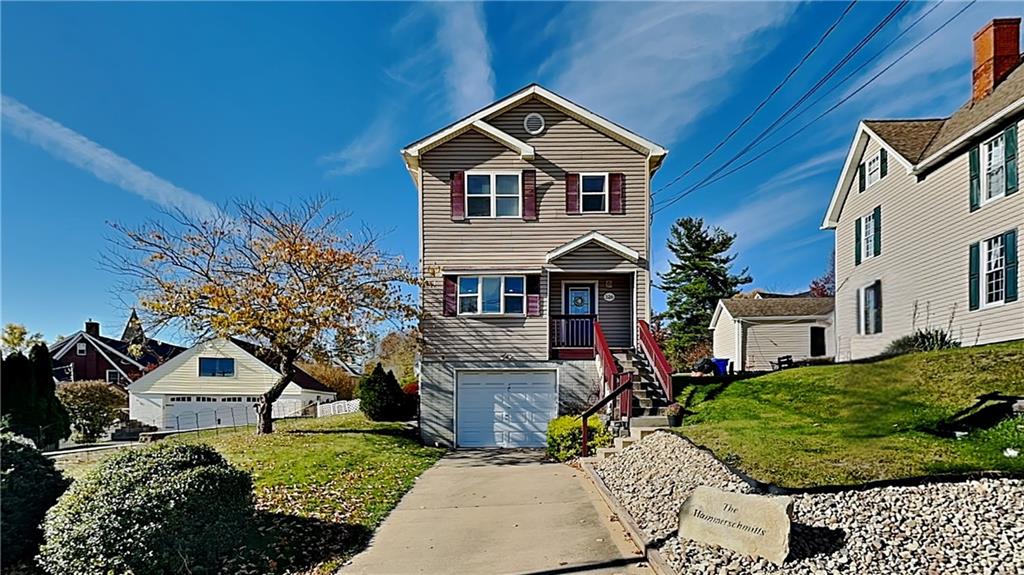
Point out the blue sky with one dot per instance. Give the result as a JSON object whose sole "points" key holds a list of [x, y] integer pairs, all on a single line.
{"points": [[113, 110]]}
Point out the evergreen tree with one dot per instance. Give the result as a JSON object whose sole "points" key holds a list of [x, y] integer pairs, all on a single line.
{"points": [[380, 396], [18, 397], [699, 275], [51, 416]]}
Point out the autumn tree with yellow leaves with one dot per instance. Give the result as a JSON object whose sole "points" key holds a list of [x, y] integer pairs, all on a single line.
{"points": [[285, 277]]}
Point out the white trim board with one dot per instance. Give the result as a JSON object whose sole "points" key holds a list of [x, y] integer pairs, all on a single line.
{"points": [[598, 238]]}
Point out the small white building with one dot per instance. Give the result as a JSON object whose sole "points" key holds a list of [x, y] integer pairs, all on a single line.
{"points": [[216, 383], [753, 332]]}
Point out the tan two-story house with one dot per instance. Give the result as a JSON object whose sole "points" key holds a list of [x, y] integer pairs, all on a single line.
{"points": [[534, 243], [927, 216]]}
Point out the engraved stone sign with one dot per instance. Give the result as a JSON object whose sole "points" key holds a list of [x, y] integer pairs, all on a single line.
{"points": [[749, 524]]}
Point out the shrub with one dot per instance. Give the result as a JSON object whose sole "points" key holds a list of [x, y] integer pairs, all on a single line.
{"points": [[93, 407], [29, 485], [380, 397], [163, 509], [565, 436], [922, 340]]}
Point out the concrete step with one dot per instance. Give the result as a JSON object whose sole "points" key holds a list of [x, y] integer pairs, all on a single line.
{"points": [[649, 421], [606, 452], [638, 431], [624, 442]]}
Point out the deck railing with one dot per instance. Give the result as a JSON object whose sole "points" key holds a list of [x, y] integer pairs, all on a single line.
{"points": [[656, 357], [572, 331]]}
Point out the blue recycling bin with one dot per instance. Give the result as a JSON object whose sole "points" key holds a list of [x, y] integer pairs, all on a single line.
{"points": [[721, 366]]}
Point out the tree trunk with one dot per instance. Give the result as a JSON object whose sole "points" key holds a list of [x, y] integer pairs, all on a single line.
{"points": [[265, 404]]}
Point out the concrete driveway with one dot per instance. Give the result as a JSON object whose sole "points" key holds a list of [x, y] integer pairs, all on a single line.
{"points": [[491, 511]]}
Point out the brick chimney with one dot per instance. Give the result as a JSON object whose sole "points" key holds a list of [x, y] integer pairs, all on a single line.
{"points": [[92, 328], [996, 54]]}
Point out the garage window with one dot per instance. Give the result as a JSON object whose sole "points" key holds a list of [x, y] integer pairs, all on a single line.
{"points": [[216, 367], [181, 399]]}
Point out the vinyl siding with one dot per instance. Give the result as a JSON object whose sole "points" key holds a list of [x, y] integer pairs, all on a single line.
{"points": [[724, 337], [766, 341], [927, 227], [566, 145]]}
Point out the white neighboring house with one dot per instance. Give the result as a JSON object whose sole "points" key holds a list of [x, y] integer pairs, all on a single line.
{"points": [[752, 332], [216, 383]]}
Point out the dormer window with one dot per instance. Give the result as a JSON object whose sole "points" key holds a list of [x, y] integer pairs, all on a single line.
{"points": [[594, 193], [493, 195]]}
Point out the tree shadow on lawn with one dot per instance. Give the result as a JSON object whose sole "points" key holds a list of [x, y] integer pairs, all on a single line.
{"points": [[280, 542]]}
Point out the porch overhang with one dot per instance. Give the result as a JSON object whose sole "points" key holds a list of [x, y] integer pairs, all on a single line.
{"points": [[595, 238]]}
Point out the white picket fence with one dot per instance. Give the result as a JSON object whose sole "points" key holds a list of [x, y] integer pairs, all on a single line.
{"points": [[337, 408]]}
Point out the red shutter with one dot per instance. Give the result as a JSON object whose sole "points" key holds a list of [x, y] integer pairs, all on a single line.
{"points": [[451, 300], [616, 191], [572, 193], [529, 195], [533, 307], [458, 182]]}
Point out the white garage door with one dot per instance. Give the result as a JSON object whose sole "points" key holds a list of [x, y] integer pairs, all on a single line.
{"points": [[504, 408]]}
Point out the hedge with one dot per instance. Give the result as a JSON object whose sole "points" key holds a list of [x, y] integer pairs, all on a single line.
{"points": [[565, 436]]}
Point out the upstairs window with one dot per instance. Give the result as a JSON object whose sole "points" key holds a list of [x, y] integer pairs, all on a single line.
{"points": [[869, 235], [80, 348], [216, 367], [994, 156], [492, 295], [594, 193], [493, 195], [874, 169]]}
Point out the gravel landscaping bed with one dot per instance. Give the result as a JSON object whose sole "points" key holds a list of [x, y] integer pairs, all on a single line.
{"points": [[940, 528]]}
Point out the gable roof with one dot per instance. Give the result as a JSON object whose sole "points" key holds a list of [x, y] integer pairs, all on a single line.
{"points": [[784, 307], [595, 238], [154, 352], [478, 121], [921, 145], [272, 360]]}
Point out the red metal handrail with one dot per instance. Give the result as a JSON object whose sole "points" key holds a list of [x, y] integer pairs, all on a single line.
{"points": [[656, 357], [623, 390], [604, 355], [613, 384]]}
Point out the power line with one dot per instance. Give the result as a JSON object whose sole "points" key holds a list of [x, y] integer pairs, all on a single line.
{"points": [[764, 101], [704, 184], [821, 82]]}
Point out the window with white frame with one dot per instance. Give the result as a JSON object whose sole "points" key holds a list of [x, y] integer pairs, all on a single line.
{"points": [[113, 376], [492, 295], [231, 399], [593, 193], [216, 367], [492, 195], [251, 399], [80, 348], [868, 235], [994, 178], [874, 169], [206, 399], [995, 270], [181, 399]]}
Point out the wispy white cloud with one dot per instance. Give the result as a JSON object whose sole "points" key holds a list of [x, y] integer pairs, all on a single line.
{"points": [[369, 149], [76, 149], [814, 166], [657, 67], [462, 39], [768, 215]]}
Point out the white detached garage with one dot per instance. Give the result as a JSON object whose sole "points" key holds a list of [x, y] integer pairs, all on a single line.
{"points": [[504, 408], [216, 383]]}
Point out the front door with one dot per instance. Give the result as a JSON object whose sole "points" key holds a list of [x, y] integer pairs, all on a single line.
{"points": [[579, 302]]}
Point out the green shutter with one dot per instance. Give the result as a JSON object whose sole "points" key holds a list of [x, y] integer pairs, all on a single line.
{"points": [[1010, 245], [877, 217], [973, 273], [861, 178], [857, 242], [975, 161], [1010, 146], [878, 306], [883, 161]]}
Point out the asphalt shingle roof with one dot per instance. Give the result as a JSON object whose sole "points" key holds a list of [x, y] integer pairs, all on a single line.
{"points": [[779, 307], [271, 360], [918, 139]]}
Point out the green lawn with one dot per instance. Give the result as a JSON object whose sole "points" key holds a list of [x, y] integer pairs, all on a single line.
{"points": [[851, 423], [322, 487]]}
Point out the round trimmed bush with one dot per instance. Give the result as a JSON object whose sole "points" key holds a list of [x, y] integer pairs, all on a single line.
{"points": [[163, 509], [565, 436], [29, 485]]}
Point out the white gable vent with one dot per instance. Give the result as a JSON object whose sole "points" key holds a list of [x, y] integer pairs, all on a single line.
{"points": [[533, 123]]}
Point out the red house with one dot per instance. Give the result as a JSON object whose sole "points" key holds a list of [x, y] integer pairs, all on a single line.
{"points": [[87, 355]]}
